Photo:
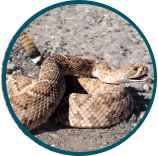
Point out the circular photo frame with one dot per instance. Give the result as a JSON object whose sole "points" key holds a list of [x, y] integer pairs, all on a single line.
{"points": [[111, 50]]}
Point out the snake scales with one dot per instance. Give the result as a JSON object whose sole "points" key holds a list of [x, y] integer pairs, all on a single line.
{"points": [[96, 100]]}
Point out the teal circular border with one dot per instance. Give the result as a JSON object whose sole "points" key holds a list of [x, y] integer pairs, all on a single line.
{"points": [[5, 67]]}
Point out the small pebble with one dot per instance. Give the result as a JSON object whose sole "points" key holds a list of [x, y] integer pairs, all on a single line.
{"points": [[53, 145], [146, 87], [150, 80], [53, 135], [134, 124], [141, 115], [11, 67], [86, 52]]}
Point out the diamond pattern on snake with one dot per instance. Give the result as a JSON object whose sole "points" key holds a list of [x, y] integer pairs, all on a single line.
{"points": [[72, 91]]}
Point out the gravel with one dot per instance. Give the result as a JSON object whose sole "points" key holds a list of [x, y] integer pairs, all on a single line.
{"points": [[95, 33]]}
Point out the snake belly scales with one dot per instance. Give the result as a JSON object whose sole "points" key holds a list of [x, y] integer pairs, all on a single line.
{"points": [[72, 91]]}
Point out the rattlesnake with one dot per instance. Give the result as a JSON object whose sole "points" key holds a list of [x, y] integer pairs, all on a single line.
{"points": [[96, 100]]}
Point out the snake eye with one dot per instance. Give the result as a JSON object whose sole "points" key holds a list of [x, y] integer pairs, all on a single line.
{"points": [[135, 68]]}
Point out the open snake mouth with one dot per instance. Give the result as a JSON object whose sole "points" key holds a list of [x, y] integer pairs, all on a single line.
{"points": [[139, 78]]}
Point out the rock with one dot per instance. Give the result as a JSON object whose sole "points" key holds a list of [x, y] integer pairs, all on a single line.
{"points": [[53, 145], [141, 115], [18, 72], [146, 87], [53, 135], [150, 80], [25, 56], [83, 46], [122, 53], [134, 124], [86, 27], [31, 74], [149, 62], [133, 118], [135, 38], [11, 67], [47, 14], [86, 52]]}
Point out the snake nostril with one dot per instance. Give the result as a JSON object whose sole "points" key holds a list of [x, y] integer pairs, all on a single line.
{"points": [[145, 68]]}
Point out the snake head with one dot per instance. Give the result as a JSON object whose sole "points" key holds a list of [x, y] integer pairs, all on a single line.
{"points": [[137, 73]]}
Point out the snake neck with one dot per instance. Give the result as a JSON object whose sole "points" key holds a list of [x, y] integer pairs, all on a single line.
{"points": [[105, 77], [104, 73]]}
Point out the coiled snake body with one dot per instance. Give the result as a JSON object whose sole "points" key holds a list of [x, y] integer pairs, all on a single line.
{"points": [[96, 100]]}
